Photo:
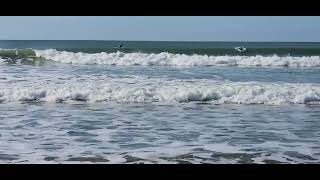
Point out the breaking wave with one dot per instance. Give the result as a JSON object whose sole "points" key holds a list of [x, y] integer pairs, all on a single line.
{"points": [[169, 59], [159, 90]]}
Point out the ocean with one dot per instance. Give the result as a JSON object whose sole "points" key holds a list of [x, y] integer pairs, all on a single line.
{"points": [[159, 102]]}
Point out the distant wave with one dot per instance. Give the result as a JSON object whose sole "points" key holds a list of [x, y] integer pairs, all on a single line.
{"points": [[148, 90], [169, 59]]}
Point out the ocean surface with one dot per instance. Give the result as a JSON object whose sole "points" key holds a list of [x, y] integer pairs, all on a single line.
{"points": [[160, 102]]}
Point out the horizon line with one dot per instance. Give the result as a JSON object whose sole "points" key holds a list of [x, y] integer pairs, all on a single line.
{"points": [[159, 40]]}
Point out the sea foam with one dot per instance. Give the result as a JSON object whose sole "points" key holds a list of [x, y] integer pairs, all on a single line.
{"points": [[169, 59], [148, 90]]}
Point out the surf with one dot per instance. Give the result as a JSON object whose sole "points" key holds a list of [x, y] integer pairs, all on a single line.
{"points": [[169, 59], [153, 90]]}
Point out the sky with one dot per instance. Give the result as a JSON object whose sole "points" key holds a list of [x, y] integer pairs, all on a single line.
{"points": [[162, 28]]}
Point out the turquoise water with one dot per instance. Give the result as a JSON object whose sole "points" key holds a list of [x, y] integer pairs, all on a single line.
{"points": [[149, 102]]}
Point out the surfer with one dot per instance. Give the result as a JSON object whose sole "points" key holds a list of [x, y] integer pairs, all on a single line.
{"points": [[240, 49], [119, 46]]}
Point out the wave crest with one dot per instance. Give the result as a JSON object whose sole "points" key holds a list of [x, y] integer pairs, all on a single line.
{"points": [[169, 59]]}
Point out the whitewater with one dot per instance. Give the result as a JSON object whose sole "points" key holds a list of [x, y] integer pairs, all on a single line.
{"points": [[169, 59], [142, 90]]}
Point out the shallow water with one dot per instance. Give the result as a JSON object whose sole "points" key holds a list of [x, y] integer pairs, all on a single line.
{"points": [[133, 128], [159, 133]]}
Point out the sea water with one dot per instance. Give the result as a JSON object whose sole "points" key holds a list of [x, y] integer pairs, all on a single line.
{"points": [[160, 102]]}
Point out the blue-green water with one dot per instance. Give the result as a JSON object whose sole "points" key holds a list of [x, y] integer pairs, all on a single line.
{"points": [[204, 48], [160, 102]]}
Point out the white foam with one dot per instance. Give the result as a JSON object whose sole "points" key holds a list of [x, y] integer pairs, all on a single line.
{"points": [[142, 89], [2, 61], [169, 59]]}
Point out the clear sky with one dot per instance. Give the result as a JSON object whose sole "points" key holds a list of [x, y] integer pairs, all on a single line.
{"points": [[165, 28]]}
